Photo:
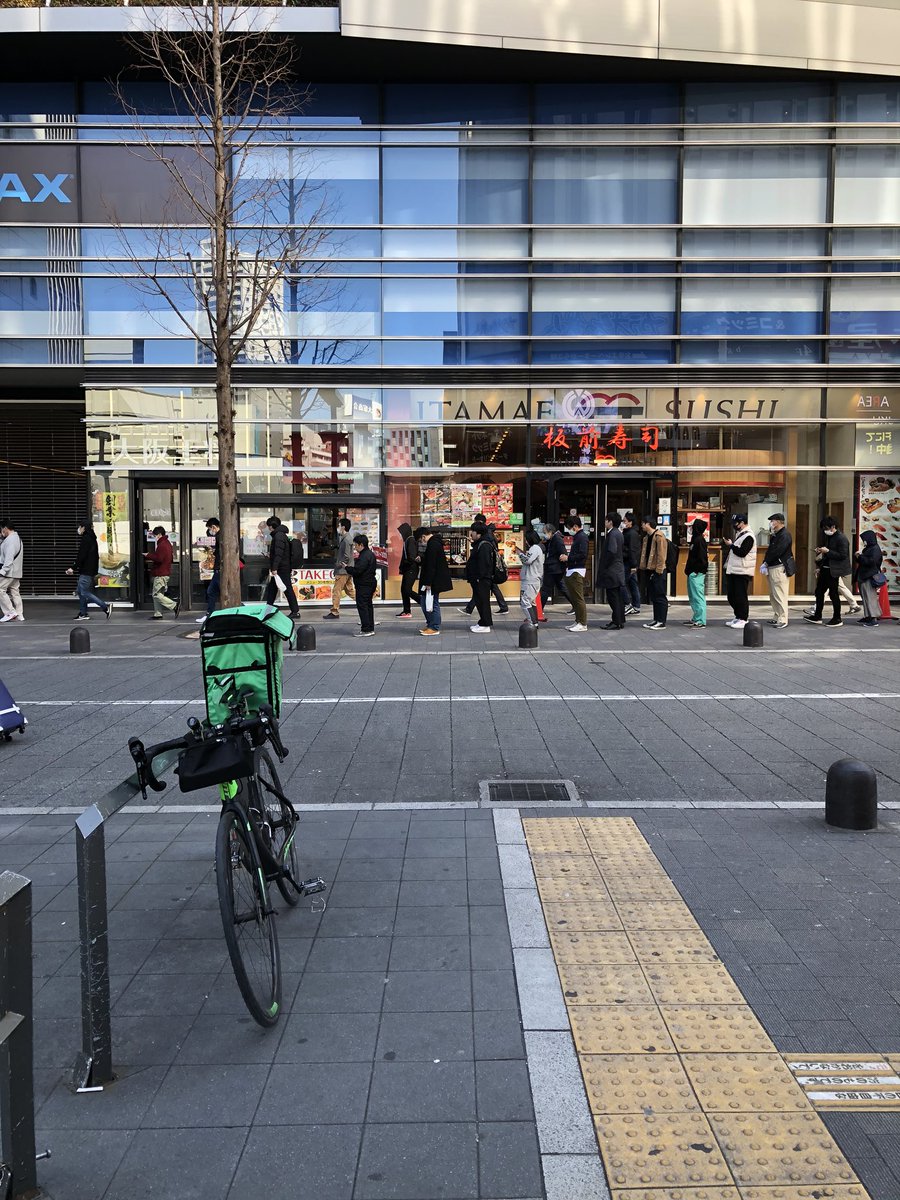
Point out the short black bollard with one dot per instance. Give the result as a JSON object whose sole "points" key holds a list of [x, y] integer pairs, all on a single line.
{"points": [[851, 795], [528, 636], [753, 634], [305, 637], [79, 640]]}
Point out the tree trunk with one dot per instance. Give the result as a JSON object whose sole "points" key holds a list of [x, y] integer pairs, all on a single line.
{"points": [[229, 569]]}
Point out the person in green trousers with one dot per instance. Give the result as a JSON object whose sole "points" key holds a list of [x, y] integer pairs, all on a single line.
{"points": [[695, 568]]}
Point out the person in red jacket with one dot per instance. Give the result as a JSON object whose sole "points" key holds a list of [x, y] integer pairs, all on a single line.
{"points": [[159, 560]]}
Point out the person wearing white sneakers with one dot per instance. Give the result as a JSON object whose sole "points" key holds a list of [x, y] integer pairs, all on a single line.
{"points": [[576, 569], [11, 558], [778, 565], [740, 566], [654, 559], [484, 559]]}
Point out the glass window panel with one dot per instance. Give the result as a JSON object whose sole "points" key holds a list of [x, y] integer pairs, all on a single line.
{"points": [[23, 243], [606, 104], [336, 184], [456, 104], [734, 244], [867, 185], [872, 100], [623, 244], [339, 104], [24, 101], [865, 307], [455, 243], [455, 446], [866, 243], [755, 186], [757, 307], [603, 307], [605, 186], [733, 350], [721, 103], [15, 352], [449, 307], [572, 353], [864, 350], [453, 353], [444, 186]]}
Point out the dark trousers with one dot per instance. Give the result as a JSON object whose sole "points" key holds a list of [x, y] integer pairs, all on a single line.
{"points": [[408, 587], [482, 597], [284, 574], [736, 590], [494, 590], [827, 583], [550, 585], [366, 610], [656, 593], [632, 589], [212, 593], [616, 599]]}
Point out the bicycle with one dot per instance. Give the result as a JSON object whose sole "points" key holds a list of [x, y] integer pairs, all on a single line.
{"points": [[255, 839]]}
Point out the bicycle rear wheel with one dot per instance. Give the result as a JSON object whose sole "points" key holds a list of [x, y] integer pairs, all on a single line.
{"points": [[249, 925], [282, 825]]}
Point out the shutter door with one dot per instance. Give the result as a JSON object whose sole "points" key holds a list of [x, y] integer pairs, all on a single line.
{"points": [[44, 489]]}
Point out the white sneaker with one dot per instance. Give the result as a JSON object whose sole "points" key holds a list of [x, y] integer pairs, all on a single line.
{"points": [[855, 609], [737, 624], [654, 625], [576, 628], [481, 628], [570, 613], [20, 618], [199, 620], [732, 622], [8, 617]]}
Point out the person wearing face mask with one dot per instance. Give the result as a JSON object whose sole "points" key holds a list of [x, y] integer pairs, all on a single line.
{"points": [[85, 567], [870, 577], [778, 566], [833, 559], [739, 568], [695, 568]]}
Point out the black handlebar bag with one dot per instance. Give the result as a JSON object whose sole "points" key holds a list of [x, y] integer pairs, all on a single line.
{"points": [[214, 760], [248, 643]]}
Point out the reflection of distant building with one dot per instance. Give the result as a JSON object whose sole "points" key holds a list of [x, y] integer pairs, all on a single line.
{"points": [[267, 342], [414, 448]]}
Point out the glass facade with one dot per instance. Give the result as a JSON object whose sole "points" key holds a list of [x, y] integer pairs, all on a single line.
{"points": [[576, 233]]}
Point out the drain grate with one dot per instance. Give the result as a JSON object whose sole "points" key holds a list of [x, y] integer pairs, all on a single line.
{"points": [[520, 792]]}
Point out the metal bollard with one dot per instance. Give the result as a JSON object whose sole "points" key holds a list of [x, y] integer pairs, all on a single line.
{"points": [[17, 1034], [851, 795], [94, 1064], [79, 640], [528, 636], [753, 634], [305, 638]]}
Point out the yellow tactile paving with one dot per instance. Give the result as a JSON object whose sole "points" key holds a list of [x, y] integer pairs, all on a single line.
{"points": [[628, 1083], [691, 1101], [586, 916], [744, 1083], [604, 985], [591, 949], [620, 1029], [668, 1151]]}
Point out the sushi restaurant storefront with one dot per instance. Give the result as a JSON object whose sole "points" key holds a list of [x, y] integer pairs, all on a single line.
{"points": [[438, 456]]}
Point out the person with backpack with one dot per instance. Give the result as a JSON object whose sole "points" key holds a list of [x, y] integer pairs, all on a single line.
{"points": [[655, 561], [11, 559], [554, 569], [280, 565], [85, 569], [695, 568], [484, 563], [740, 566], [434, 579], [410, 560], [503, 607], [362, 571], [575, 560], [870, 577]]}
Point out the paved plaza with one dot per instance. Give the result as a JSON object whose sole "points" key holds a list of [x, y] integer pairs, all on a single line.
{"points": [[453, 1026]]}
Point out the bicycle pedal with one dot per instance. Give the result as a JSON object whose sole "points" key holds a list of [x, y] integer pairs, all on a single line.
{"points": [[309, 887]]}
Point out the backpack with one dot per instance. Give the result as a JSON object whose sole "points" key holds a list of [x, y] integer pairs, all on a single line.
{"points": [[671, 556], [248, 643], [500, 573], [296, 552]]}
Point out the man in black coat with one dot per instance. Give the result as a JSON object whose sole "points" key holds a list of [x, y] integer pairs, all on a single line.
{"points": [[631, 558], [484, 558], [554, 570], [410, 558], [471, 571], [280, 565], [611, 571], [833, 558], [362, 569]]}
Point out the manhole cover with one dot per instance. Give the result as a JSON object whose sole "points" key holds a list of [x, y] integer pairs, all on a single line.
{"points": [[521, 792]]}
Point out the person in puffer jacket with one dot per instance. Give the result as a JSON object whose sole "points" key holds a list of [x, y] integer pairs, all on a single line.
{"points": [[868, 566], [531, 575]]}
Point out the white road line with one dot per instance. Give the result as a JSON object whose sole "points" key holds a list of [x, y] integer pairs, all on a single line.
{"points": [[605, 698]]}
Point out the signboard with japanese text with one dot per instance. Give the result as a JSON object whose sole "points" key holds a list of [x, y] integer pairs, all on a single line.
{"points": [[170, 446], [877, 446], [864, 404], [597, 445]]}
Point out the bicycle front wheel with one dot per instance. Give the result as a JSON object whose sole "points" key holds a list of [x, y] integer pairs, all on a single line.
{"points": [[281, 822], [247, 920]]}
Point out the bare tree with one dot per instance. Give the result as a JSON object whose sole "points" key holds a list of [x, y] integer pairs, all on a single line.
{"points": [[235, 176]]}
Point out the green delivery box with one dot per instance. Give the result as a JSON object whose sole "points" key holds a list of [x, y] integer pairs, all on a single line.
{"points": [[248, 643]]}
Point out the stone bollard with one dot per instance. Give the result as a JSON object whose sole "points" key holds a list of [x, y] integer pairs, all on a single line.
{"points": [[79, 640], [753, 634], [528, 636], [851, 795], [306, 637]]}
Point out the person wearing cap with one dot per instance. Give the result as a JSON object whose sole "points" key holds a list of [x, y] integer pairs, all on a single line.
{"points": [[739, 568], [775, 564], [833, 559]]}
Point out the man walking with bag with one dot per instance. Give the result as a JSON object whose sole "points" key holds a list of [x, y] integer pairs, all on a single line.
{"points": [[280, 566], [778, 566]]}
